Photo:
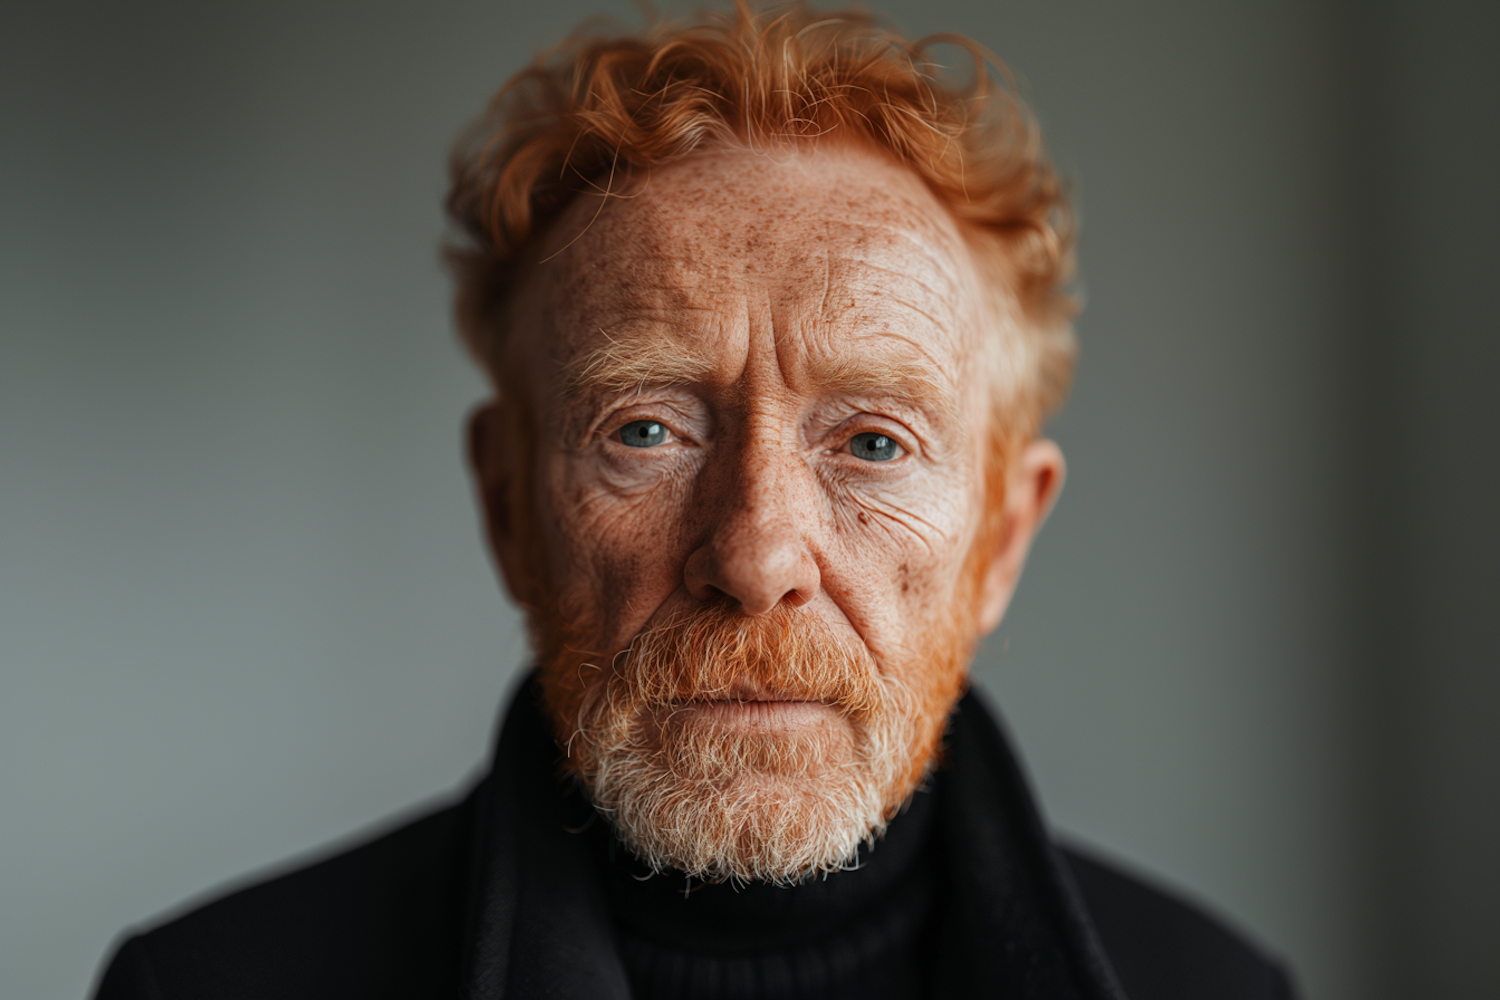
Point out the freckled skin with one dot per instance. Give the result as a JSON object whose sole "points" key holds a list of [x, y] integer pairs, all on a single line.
{"points": [[772, 271]]}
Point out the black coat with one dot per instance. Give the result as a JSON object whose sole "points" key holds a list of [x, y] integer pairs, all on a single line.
{"points": [[493, 898]]}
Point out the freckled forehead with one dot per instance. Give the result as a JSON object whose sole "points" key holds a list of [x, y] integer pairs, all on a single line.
{"points": [[833, 231]]}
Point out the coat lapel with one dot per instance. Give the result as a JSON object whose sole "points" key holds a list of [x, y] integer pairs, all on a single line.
{"points": [[539, 925], [1016, 925]]}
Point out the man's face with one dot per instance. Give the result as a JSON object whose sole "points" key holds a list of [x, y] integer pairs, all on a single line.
{"points": [[742, 499]]}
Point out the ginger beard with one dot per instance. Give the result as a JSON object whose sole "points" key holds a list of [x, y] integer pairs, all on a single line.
{"points": [[666, 743]]}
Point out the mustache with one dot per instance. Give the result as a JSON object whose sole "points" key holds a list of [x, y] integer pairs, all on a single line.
{"points": [[717, 653]]}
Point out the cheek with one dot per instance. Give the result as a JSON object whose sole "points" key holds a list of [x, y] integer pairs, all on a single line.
{"points": [[615, 548], [926, 521], [901, 552]]}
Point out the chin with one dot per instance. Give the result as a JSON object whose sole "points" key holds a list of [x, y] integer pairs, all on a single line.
{"points": [[745, 799]]}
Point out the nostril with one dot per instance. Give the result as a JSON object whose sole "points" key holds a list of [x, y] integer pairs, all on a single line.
{"points": [[758, 573]]}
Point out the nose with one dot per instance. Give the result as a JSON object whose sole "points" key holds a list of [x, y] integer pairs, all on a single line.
{"points": [[760, 513]]}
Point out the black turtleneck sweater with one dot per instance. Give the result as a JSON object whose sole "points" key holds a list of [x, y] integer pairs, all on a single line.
{"points": [[848, 934]]}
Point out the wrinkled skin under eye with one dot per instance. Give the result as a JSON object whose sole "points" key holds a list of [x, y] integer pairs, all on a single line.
{"points": [[643, 434], [874, 447]]}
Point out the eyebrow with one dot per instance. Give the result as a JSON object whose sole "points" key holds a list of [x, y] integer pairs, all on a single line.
{"points": [[622, 365], [917, 380]]}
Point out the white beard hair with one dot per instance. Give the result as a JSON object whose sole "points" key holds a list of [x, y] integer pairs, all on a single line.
{"points": [[717, 803]]}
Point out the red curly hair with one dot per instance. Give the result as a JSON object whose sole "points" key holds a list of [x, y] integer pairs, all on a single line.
{"points": [[598, 110]]}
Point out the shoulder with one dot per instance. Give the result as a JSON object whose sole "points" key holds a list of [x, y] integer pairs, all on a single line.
{"points": [[1163, 948], [370, 921]]}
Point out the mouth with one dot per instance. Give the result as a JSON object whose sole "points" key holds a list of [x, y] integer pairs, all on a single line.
{"points": [[757, 713]]}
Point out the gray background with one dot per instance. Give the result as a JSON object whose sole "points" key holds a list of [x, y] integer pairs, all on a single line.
{"points": [[243, 604]]}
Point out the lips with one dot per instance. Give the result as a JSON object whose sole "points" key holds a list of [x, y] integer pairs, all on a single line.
{"points": [[767, 712]]}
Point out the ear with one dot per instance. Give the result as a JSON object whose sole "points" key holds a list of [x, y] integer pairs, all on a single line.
{"points": [[1032, 487], [498, 454]]}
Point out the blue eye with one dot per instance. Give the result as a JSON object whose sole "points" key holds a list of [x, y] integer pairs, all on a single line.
{"points": [[643, 434], [874, 447]]}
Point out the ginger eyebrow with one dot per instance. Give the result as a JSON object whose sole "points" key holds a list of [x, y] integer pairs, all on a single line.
{"points": [[915, 380], [621, 365]]}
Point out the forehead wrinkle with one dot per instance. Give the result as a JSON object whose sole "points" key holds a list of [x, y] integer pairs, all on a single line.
{"points": [[933, 288], [949, 327], [907, 276], [916, 230], [884, 313], [652, 316]]}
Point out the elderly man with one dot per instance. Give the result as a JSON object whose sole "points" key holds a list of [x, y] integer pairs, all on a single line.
{"points": [[773, 318]]}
